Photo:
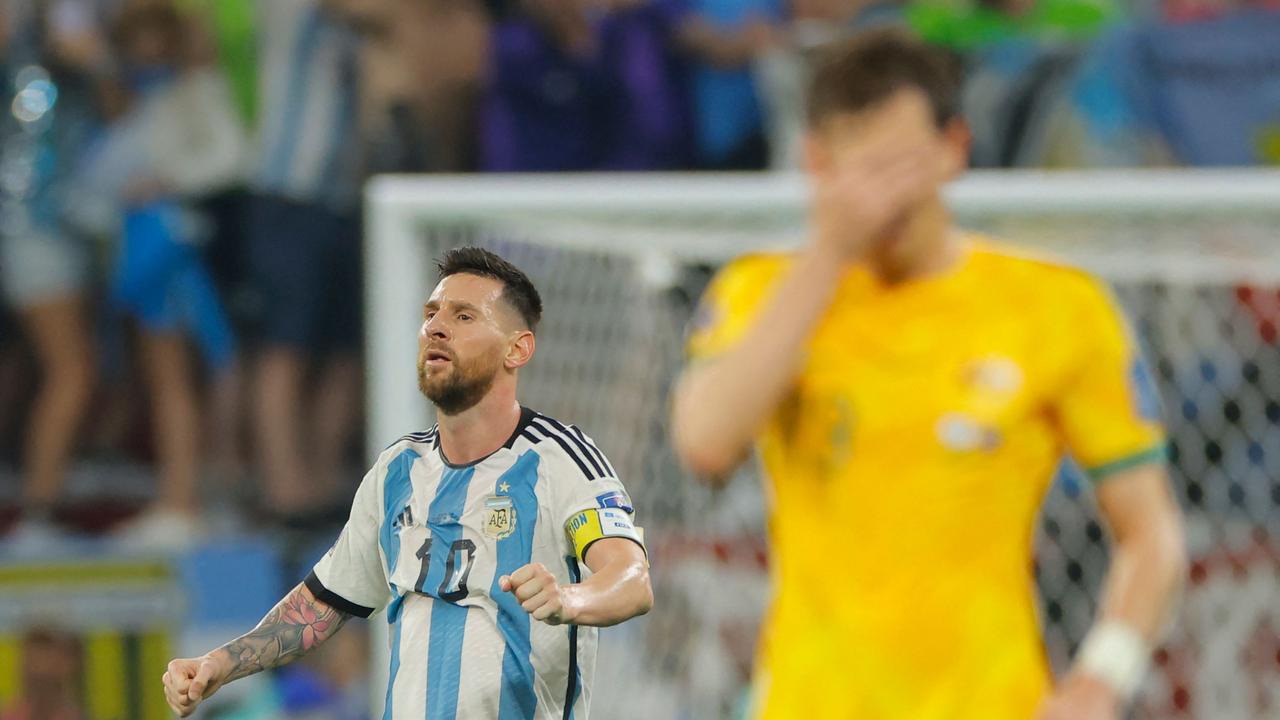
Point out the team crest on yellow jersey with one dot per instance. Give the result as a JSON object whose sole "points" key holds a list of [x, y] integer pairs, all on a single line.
{"points": [[994, 374], [499, 517], [991, 383], [963, 433]]}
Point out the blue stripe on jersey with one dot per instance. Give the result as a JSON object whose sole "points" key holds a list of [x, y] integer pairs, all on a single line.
{"points": [[395, 659], [396, 492], [397, 489], [301, 63], [448, 621], [393, 609], [444, 520], [444, 659], [515, 551], [574, 687]]}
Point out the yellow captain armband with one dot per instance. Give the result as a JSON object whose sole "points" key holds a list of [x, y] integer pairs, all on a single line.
{"points": [[588, 526]]}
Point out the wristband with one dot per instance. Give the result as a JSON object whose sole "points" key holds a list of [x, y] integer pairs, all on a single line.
{"points": [[1116, 654]]}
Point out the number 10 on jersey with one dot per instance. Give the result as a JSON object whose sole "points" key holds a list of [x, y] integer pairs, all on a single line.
{"points": [[453, 587]]}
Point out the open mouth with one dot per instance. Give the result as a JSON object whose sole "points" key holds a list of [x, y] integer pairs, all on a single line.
{"points": [[437, 358]]}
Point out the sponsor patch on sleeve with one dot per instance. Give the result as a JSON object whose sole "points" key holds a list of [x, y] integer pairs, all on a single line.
{"points": [[595, 524], [615, 499], [705, 316]]}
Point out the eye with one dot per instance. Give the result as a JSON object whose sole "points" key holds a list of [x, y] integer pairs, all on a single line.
{"points": [[465, 317], [429, 314]]}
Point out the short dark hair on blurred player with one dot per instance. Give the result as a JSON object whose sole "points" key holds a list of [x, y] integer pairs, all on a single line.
{"points": [[518, 289], [858, 73]]}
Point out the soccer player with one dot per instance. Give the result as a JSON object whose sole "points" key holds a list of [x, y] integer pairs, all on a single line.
{"points": [[472, 535], [911, 388]]}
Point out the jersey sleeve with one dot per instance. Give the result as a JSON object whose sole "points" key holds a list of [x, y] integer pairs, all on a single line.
{"points": [[1108, 410], [590, 505], [350, 576], [730, 303]]}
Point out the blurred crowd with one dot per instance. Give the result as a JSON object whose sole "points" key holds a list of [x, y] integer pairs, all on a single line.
{"points": [[330, 684], [180, 240]]}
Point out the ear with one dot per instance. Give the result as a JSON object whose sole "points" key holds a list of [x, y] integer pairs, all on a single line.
{"points": [[520, 351], [957, 139]]}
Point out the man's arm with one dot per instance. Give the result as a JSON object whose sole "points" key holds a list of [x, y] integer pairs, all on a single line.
{"points": [[1148, 566], [720, 403], [1148, 559], [294, 627], [617, 590]]}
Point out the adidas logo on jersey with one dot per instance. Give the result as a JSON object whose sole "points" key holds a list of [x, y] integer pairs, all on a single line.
{"points": [[404, 519]]}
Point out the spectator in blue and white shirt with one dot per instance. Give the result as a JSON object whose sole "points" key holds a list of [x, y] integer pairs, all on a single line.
{"points": [[304, 253]]}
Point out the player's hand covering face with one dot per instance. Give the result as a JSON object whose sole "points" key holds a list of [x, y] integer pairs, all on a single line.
{"points": [[872, 169], [469, 335]]}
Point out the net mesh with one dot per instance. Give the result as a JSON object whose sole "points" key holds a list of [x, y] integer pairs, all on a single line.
{"points": [[1199, 285]]}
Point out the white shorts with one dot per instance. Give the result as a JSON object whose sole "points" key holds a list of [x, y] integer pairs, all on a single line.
{"points": [[39, 267]]}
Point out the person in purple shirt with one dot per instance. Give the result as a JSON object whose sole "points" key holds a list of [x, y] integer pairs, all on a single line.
{"points": [[578, 86]]}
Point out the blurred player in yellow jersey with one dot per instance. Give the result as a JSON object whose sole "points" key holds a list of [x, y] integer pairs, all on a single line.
{"points": [[911, 388]]}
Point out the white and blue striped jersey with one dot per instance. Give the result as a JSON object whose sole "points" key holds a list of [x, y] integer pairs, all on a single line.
{"points": [[428, 540], [308, 99]]}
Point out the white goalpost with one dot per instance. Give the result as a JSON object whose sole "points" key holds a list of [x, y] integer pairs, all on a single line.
{"points": [[621, 259]]}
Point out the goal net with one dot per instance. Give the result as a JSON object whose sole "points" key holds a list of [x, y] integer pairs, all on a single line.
{"points": [[621, 262]]}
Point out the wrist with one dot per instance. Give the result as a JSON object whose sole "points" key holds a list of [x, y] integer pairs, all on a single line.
{"points": [[828, 246], [570, 603], [222, 660], [1116, 654], [1097, 687], [824, 261]]}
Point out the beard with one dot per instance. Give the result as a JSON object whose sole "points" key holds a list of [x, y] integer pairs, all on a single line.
{"points": [[460, 386]]}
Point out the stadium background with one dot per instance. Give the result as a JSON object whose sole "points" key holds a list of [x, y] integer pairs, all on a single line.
{"points": [[92, 603]]}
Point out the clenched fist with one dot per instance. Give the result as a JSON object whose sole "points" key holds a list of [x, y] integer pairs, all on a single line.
{"points": [[539, 594], [188, 682]]}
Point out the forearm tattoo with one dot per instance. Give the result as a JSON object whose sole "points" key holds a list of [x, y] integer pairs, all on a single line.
{"points": [[293, 628]]}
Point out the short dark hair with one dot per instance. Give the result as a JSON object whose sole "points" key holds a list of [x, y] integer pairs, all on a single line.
{"points": [[865, 70], [517, 288]]}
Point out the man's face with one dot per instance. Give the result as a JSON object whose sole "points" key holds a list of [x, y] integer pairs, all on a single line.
{"points": [[902, 123], [468, 332]]}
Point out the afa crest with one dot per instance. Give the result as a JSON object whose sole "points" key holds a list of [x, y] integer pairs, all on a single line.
{"points": [[499, 516]]}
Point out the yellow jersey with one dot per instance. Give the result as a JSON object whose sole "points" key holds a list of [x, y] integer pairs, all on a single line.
{"points": [[906, 470]]}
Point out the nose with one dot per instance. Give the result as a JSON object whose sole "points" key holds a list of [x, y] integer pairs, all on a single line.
{"points": [[435, 328]]}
